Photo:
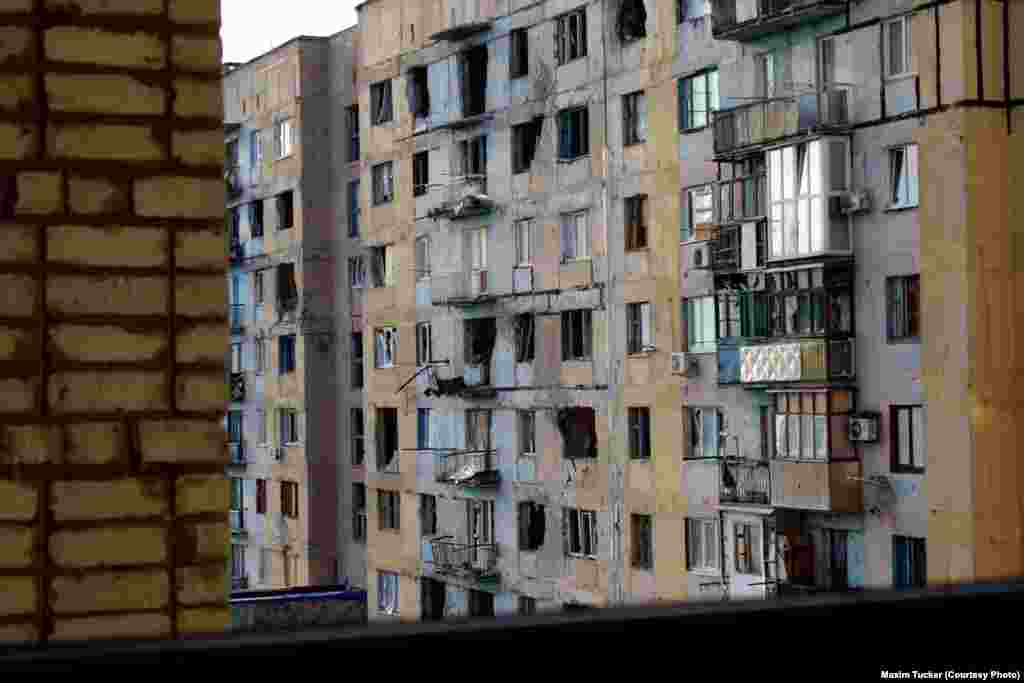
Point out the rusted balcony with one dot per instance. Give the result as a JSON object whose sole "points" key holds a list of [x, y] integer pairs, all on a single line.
{"points": [[237, 387], [467, 468], [237, 318], [745, 482], [479, 560], [743, 20], [744, 128]]}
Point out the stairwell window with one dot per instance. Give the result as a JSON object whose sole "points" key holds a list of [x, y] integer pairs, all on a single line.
{"points": [[638, 328], [575, 236], [573, 133], [386, 347], [571, 36], [634, 118], [639, 433], [699, 324], [580, 528], [903, 177], [636, 222], [383, 183], [381, 109], [697, 213], [903, 301], [577, 335], [906, 425], [702, 549], [897, 47], [698, 97]]}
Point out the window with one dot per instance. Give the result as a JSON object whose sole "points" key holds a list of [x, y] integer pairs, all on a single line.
{"points": [[697, 214], [423, 257], [420, 173], [386, 348], [643, 541], [353, 134], [699, 321], [389, 509], [419, 92], [382, 265], [284, 138], [573, 133], [285, 211], [255, 153], [266, 558], [531, 526], [289, 426], [474, 157], [634, 118], [909, 562], [423, 428], [632, 20], [236, 358], [383, 183], [386, 439], [519, 59], [742, 193], [575, 236], [827, 49], [747, 547], [286, 354], [636, 222], [354, 210], [524, 144], [261, 425], [423, 344], [356, 272], [261, 496], [256, 218], [527, 606], [236, 227], [581, 530], [836, 569], [906, 425], [800, 302], [238, 562], [903, 301], [704, 428], [258, 292], [773, 73], [387, 593], [691, 9], [527, 420], [380, 102], [473, 71], [234, 426], [897, 47], [571, 36], [359, 512], [261, 355], [231, 154], [638, 327], [578, 427], [356, 358], [478, 430], [478, 248], [287, 291], [525, 344], [639, 433], [428, 515], [524, 233], [702, 550], [577, 335], [801, 426], [903, 177], [290, 499], [698, 97], [358, 437]]}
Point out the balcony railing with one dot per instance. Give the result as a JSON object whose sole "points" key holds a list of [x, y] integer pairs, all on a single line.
{"points": [[479, 559], [750, 19], [237, 452], [818, 360], [777, 118], [470, 468], [237, 315], [237, 387], [464, 197], [747, 482]]}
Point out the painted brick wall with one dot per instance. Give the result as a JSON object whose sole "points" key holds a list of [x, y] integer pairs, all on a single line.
{"points": [[113, 335]]}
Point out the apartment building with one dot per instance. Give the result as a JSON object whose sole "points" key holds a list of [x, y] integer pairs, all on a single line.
{"points": [[647, 312], [288, 468]]}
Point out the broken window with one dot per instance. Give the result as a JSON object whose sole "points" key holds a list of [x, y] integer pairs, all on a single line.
{"points": [[354, 208], [479, 344], [386, 351], [641, 531], [704, 433], [524, 144], [383, 183], [577, 335], [909, 562], [389, 509], [519, 59], [579, 528], [386, 440], [698, 97], [423, 344], [571, 36], [356, 357], [358, 436], [702, 549], [287, 292], [632, 20], [636, 222], [353, 133], [473, 70], [474, 157], [531, 526], [428, 514], [285, 211], [418, 92], [638, 327], [575, 236], [578, 427], [573, 133], [284, 138], [380, 102], [420, 173], [634, 118], [359, 512], [525, 338], [256, 218], [639, 433], [382, 266]]}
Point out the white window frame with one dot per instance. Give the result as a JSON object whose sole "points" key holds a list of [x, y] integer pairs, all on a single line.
{"points": [[646, 341], [357, 272], [387, 593], [799, 435], [284, 138], [424, 344], [526, 423], [585, 522], [909, 196], [903, 25], [704, 553], [576, 236], [385, 347], [707, 197], [700, 419], [478, 248], [423, 257], [701, 324], [909, 438], [524, 239]]}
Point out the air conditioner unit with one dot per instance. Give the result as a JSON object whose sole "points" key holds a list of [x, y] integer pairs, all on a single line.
{"points": [[864, 428], [856, 202], [685, 365], [700, 257]]}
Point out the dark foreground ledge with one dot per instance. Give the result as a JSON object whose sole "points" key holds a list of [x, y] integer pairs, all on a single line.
{"points": [[968, 628]]}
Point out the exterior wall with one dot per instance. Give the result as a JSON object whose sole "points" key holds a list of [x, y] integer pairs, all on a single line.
{"points": [[113, 330], [296, 612]]}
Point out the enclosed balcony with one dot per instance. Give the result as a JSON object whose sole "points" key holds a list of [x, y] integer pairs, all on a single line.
{"points": [[477, 560], [744, 20], [745, 482], [815, 360], [741, 129], [467, 468], [741, 247]]}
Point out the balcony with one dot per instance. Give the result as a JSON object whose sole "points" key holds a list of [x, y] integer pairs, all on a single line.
{"points": [[818, 486], [739, 247], [817, 360], [745, 482], [478, 560], [460, 288], [237, 387], [237, 315], [467, 468], [743, 20], [237, 453], [464, 197], [741, 129]]}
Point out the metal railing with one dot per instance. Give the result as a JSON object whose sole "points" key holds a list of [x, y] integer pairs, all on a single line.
{"points": [[746, 482], [480, 559], [237, 316], [775, 118], [747, 19], [463, 466]]}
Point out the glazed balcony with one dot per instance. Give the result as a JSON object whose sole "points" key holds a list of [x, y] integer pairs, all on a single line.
{"points": [[816, 360], [745, 482], [744, 128], [743, 20], [467, 468], [739, 246], [477, 560]]}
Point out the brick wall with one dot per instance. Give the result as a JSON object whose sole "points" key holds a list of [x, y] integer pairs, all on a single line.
{"points": [[113, 336]]}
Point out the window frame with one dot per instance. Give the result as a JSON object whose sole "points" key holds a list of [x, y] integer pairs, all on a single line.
{"points": [[573, 133], [634, 118], [428, 514], [388, 599], [639, 328], [909, 287], [262, 433], [355, 209], [357, 272], [525, 339], [688, 100], [526, 430], [916, 548], [641, 541], [260, 352], [357, 432], [389, 510], [582, 533], [910, 154], [698, 308], [261, 496], [285, 203], [688, 231], [918, 459], [256, 219], [797, 422], [564, 38], [359, 514], [354, 143], [357, 362], [523, 230], [421, 173], [290, 499], [519, 53], [635, 208], [578, 321], [284, 138], [424, 344], [906, 40], [288, 421], [383, 179], [696, 420], [579, 240], [422, 247], [287, 360], [258, 288], [699, 541], [751, 562], [639, 425], [527, 514], [382, 102], [525, 137], [381, 353]]}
